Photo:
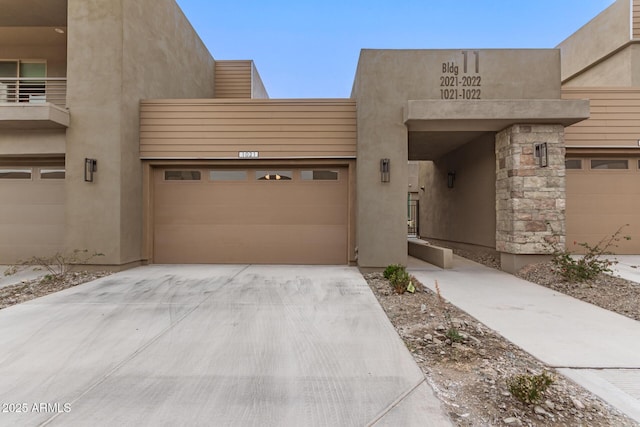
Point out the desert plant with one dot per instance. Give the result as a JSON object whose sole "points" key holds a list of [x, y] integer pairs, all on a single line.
{"points": [[454, 335], [583, 268], [391, 270], [529, 388], [56, 265], [399, 278], [452, 332]]}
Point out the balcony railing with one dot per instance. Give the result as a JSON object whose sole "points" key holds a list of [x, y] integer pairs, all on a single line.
{"points": [[34, 90]]}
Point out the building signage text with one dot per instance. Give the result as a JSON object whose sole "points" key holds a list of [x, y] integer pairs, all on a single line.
{"points": [[248, 154], [461, 82]]}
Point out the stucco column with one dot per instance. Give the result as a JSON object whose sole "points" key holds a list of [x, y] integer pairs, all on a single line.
{"points": [[530, 198]]}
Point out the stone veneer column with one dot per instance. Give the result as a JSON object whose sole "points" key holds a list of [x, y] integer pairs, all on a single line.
{"points": [[530, 199]]}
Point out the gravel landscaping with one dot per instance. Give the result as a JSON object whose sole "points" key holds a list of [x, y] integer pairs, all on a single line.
{"points": [[470, 376]]}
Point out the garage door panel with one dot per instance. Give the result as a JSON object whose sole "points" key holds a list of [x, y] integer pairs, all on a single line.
{"points": [[607, 204], [598, 203], [255, 244], [31, 215], [34, 193], [32, 221], [252, 221], [267, 214], [603, 182]]}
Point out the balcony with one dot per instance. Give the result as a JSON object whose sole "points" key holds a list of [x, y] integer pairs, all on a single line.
{"points": [[33, 103]]}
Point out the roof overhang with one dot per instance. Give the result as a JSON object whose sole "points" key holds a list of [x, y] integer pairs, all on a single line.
{"points": [[437, 127]]}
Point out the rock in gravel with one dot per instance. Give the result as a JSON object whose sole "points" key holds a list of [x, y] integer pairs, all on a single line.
{"points": [[578, 405], [539, 410], [474, 339], [549, 404], [428, 337], [512, 421]]}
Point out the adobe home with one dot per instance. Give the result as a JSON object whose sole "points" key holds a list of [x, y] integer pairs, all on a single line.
{"points": [[121, 134]]}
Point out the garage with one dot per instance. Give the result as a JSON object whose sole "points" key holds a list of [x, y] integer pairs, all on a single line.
{"points": [[32, 221], [251, 215], [603, 194]]}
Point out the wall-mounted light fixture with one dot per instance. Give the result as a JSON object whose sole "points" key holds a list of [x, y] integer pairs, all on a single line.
{"points": [[540, 153], [385, 170], [90, 166], [451, 177]]}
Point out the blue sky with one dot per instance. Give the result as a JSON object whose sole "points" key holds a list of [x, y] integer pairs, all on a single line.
{"points": [[309, 49]]}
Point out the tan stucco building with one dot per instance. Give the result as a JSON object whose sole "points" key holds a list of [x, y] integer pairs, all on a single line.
{"points": [[121, 134]]}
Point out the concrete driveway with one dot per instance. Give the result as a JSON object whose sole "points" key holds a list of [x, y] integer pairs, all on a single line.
{"points": [[211, 345]]}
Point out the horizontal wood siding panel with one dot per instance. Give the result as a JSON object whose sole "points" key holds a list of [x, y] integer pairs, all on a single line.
{"points": [[636, 19], [222, 128], [614, 120], [233, 79]]}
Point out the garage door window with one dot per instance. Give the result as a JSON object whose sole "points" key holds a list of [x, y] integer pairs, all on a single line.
{"points": [[319, 175], [274, 175], [15, 173], [573, 164], [609, 164], [182, 175], [52, 173], [229, 175]]}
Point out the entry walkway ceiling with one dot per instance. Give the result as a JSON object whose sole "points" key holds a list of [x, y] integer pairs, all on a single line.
{"points": [[438, 127], [33, 13]]}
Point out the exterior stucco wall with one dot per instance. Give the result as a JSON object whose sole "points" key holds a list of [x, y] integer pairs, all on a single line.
{"points": [[635, 64], [258, 91], [385, 81], [119, 53], [614, 71], [465, 213], [605, 33]]}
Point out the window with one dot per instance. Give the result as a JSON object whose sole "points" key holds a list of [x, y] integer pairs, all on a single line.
{"points": [[228, 175], [274, 175], [52, 173], [573, 163], [609, 164], [182, 175], [15, 173], [22, 81], [319, 175]]}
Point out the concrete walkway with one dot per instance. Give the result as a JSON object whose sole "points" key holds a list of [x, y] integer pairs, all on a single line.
{"points": [[594, 347], [628, 267], [22, 275], [211, 345]]}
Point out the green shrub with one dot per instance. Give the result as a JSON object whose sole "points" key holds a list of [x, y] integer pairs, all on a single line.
{"points": [[454, 335], [400, 280], [587, 267], [391, 270], [529, 388]]}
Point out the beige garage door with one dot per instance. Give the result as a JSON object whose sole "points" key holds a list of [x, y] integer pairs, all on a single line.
{"points": [[602, 195], [251, 215], [31, 212]]}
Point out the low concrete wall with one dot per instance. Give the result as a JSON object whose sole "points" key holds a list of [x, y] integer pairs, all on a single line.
{"points": [[441, 257]]}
